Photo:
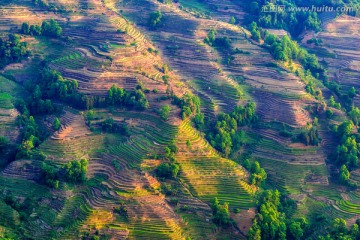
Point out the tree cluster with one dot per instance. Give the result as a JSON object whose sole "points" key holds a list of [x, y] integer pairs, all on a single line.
{"points": [[285, 49], [109, 125], [223, 134], [257, 174], [347, 152], [255, 31], [293, 21], [340, 231], [223, 43], [189, 104], [4, 142], [220, 212], [271, 221], [49, 175], [51, 29], [164, 112], [12, 50], [310, 135], [120, 97], [51, 85], [167, 170], [75, 171], [155, 19], [30, 135], [121, 210]]}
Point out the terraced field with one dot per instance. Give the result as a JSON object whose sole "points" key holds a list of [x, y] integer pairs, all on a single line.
{"points": [[9, 93], [109, 42], [271, 86], [341, 57], [200, 169]]}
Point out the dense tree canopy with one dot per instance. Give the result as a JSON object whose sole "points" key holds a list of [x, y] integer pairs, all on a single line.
{"points": [[223, 134], [48, 28], [49, 175], [155, 19], [267, 16], [269, 222], [120, 97], [12, 50], [168, 170], [285, 49], [189, 104], [164, 112], [75, 171], [220, 212], [309, 135]]}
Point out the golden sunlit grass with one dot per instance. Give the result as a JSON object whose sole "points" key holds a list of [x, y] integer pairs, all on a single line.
{"points": [[99, 218]]}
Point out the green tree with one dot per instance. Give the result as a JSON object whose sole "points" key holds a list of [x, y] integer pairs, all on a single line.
{"points": [[51, 28], [339, 226], [168, 170], [25, 28], [49, 175], [270, 222], [165, 69], [258, 174], [352, 92], [210, 39], [155, 19], [26, 147], [255, 32], [344, 175], [165, 112], [296, 230], [75, 171], [199, 121], [232, 20], [354, 115], [4, 142], [56, 124], [220, 212]]}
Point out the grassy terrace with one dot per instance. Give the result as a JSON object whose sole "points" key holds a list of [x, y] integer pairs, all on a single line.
{"points": [[9, 93], [289, 177], [40, 216], [72, 149], [207, 175]]}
